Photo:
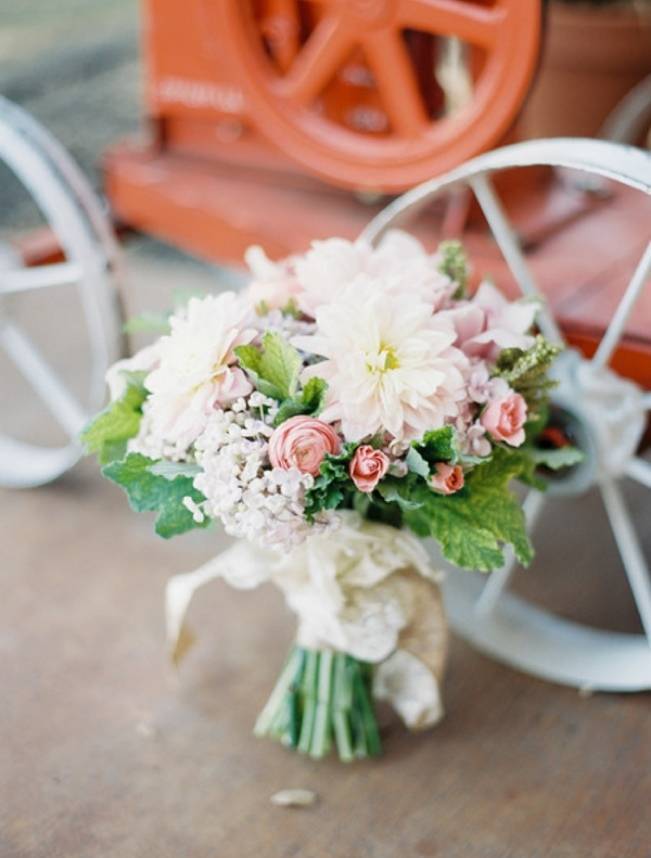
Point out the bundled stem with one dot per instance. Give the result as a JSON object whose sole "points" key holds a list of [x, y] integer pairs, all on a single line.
{"points": [[323, 698]]}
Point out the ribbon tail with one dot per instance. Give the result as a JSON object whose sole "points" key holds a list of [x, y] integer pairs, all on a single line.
{"points": [[410, 678], [242, 565]]}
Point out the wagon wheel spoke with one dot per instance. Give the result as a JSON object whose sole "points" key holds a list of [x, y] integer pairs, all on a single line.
{"points": [[640, 471], [39, 277], [617, 324], [500, 578], [325, 51], [629, 550], [477, 25], [507, 241], [396, 80], [61, 403]]}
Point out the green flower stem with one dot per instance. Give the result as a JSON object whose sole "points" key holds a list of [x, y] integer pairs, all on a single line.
{"points": [[309, 700], [321, 736], [341, 707], [269, 713], [323, 698]]}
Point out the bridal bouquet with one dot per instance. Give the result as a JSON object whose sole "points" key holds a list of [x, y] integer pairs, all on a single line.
{"points": [[346, 402]]}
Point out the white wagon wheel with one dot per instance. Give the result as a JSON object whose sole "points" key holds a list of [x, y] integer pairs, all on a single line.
{"points": [[611, 414], [89, 266]]}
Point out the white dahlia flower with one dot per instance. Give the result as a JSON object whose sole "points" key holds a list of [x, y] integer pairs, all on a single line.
{"points": [[400, 260], [389, 363], [197, 369]]}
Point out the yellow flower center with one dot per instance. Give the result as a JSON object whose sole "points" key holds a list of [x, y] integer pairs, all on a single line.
{"points": [[386, 359]]}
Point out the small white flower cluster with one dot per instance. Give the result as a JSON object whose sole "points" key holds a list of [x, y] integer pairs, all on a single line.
{"points": [[255, 502], [152, 443]]}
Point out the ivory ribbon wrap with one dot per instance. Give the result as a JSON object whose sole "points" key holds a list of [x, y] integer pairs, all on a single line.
{"points": [[365, 589]]}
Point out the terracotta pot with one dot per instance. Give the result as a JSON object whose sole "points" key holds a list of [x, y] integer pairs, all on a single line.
{"points": [[592, 56]]}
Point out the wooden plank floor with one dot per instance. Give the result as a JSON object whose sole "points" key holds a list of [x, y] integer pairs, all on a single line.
{"points": [[106, 751]]}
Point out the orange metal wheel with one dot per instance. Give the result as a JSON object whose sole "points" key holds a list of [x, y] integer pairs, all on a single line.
{"points": [[286, 87]]}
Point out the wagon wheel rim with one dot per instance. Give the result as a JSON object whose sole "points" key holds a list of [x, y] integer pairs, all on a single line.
{"points": [[496, 621], [90, 266], [419, 147]]}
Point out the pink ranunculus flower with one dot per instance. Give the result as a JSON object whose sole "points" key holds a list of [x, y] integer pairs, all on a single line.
{"points": [[367, 467], [448, 479], [504, 419], [302, 442]]}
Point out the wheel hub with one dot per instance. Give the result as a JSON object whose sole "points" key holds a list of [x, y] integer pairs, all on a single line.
{"points": [[604, 415]]}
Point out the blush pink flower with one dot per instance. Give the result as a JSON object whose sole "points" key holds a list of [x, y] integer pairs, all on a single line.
{"points": [[504, 419], [448, 479], [302, 443], [367, 467], [274, 284]]}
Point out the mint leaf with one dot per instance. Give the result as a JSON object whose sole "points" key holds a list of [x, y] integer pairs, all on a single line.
{"points": [[108, 433], [309, 402], [556, 458], [472, 525], [437, 445], [150, 492], [416, 463], [171, 470], [333, 486], [404, 491], [274, 368], [157, 323]]}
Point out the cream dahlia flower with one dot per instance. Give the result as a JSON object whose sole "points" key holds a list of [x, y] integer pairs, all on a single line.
{"points": [[400, 260], [196, 371], [389, 363]]}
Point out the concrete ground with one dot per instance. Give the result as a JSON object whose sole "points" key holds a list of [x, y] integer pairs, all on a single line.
{"points": [[106, 751]]}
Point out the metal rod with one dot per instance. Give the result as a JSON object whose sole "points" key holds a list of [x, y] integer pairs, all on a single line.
{"points": [[508, 244], [630, 550], [39, 277], [617, 324], [54, 394], [640, 471]]}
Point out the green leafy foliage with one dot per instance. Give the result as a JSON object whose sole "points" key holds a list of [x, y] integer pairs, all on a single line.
{"points": [[437, 445], [108, 433], [151, 492], [332, 488], [472, 525], [454, 263], [310, 401], [406, 492], [154, 323], [274, 367], [527, 372]]}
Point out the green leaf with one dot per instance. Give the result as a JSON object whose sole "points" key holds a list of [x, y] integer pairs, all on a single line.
{"points": [[472, 525], [437, 445], [157, 323], [333, 486], [556, 458], [274, 367], [108, 433], [171, 470], [404, 491], [416, 463], [309, 402], [150, 492]]}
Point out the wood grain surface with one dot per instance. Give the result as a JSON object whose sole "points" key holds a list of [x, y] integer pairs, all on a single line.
{"points": [[106, 751]]}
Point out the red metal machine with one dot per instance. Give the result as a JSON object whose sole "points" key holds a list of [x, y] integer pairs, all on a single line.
{"points": [[276, 105]]}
